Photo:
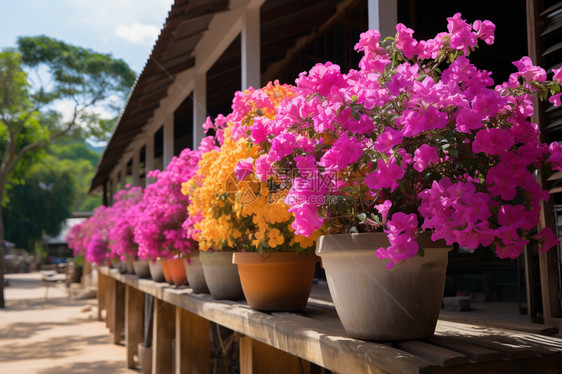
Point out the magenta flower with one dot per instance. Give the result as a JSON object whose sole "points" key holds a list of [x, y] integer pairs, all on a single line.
{"points": [[416, 138], [161, 229], [425, 156], [345, 151], [387, 175], [492, 141], [244, 168]]}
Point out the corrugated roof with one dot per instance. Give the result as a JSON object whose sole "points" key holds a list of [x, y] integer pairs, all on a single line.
{"points": [[173, 53], [285, 25]]}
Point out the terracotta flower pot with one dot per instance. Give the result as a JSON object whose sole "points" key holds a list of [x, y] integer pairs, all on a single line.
{"points": [[142, 269], [166, 271], [378, 303], [177, 271], [194, 274], [278, 281], [221, 275], [156, 272]]}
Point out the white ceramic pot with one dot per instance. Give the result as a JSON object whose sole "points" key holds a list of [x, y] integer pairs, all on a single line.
{"points": [[155, 268], [378, 303], [194, 273], [221, 275], [142, 268]]}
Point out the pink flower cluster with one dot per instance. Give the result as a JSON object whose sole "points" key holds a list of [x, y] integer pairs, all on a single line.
{"points": [[91, 237], [126, 210], [417, 138], [148, 224], [163, 211]]}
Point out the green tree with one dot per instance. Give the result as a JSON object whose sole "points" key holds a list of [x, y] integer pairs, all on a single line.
{"points": [[77, 157], [41, 204], [79, 77]]}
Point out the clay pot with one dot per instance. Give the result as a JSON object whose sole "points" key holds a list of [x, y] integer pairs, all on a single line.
{"points": [[129, 265], [177, 271], [145, 358], [156, 272], [194, 273], [221, 275], [277, 281], [401, 303], [142, 269], [166, 270]]}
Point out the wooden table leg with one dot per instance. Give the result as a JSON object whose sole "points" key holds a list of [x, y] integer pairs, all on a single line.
{"points": [[193, 346], [134, 326], [109, 302], [257, 357], [119, 312], [164, 332], [101, 294]]}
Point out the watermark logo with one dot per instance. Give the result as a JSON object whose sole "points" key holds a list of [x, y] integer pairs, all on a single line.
{"points": [[247, 191]]}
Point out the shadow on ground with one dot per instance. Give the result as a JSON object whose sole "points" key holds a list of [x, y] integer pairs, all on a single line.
{"points": [[53, 348], [34, 304], [26, 330], [85, 368]]}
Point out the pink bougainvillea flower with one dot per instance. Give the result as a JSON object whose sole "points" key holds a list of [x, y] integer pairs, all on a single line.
{"points": [[244, 168], [387, 175], [493, 141], [425, 156], [345, 151], [387, 140]]}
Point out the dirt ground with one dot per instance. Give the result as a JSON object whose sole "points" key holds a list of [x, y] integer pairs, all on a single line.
{"points": [[53, 335]]}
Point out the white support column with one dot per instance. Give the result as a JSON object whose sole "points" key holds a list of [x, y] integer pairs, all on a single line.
{"points": [[136, 166], [383, 16], [199, 107], [168, 138], [251, 68], [149, 157]]}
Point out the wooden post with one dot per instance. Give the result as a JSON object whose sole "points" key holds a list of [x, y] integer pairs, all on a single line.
{"points": [[119, 312], [193, 346], [257, 357], [109, 299], [102, 280], [164, 331], [134, 326]]}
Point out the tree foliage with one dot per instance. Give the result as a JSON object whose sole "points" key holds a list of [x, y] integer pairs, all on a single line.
{"points": [[91, 85], [41, 205]]}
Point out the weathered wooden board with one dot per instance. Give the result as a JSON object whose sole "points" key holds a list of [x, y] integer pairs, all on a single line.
{"points": [[316, 336], [134, 323]]}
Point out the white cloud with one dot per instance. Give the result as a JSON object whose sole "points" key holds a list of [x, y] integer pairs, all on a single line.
{"points": [[138, 33], [106, 14]]}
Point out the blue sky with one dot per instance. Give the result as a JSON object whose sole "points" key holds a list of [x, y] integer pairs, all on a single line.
{"points": [[125, 28]]}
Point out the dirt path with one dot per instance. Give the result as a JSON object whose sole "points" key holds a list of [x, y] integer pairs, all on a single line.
{"points": [[54, 335]]}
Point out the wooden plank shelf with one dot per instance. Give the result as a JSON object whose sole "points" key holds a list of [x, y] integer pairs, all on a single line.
{"points": [[316, 337]]}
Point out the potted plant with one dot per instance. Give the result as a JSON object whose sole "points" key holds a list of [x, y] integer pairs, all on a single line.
{"points": [[218, 229], [275, 266], [159, 231], [90, 238], [121, 235], [415, 150]]}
